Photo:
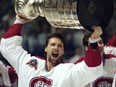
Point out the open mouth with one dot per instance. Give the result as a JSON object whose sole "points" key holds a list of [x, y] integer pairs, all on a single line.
{"points": [[54, 55]]}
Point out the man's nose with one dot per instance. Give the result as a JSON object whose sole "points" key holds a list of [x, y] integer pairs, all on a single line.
{"points": [[56, 46]]}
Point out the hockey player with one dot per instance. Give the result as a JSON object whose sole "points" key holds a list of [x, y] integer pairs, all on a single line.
{"points": [[51, 72], [107, 77]]}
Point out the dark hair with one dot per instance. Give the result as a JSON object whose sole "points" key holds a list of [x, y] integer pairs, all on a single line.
{"points": [[86, 38], [56, 35]]}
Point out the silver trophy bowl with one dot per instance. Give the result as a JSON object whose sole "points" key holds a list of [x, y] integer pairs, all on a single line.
{"points": [[75, 14], [59, 13]]}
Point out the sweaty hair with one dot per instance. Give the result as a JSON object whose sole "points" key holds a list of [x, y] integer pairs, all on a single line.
{"points": [[55, 35], [86, 38]]}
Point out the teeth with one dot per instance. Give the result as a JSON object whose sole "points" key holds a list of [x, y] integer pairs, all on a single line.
{"points": [[54, 55]]}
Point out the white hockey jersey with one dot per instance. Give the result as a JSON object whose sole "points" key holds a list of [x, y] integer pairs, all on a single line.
{"points": [[109, 76], [105, 80], [32, 72]]}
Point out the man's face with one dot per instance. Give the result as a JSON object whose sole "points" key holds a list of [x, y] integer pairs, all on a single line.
{"points": [[54, 50], [100, 44]]}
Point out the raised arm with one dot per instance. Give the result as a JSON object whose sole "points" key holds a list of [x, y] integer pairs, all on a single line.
{"points": [[11, 41], [93, 55], [91, 63]]}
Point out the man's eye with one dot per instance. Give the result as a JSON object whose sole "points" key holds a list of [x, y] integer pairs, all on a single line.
{"points": [[60, 46], [53, 44]]}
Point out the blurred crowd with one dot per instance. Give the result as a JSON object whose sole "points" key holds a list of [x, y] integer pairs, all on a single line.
{"points": [[36, 31]]}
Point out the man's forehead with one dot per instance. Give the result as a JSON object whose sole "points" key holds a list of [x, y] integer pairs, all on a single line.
{"points": [[53, 40]]}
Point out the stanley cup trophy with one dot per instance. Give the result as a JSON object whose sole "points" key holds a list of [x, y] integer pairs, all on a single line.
{"points": [[67, 13]]}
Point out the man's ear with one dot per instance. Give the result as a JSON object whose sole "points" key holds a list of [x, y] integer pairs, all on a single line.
{"points": [[45, 49]]}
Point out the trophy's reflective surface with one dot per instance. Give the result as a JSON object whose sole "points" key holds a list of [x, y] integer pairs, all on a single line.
{"points": [[59, 13]]}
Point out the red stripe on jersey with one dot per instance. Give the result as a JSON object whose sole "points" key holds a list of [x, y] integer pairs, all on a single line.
{"points": [[12, 74], [93, 57], [13, 30], [108, 56], [112, 42]]}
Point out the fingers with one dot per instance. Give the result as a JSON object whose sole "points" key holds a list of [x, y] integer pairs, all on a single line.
{"points": [[22, 19], [97, 32]]}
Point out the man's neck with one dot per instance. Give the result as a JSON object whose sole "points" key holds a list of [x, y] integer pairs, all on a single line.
{"points": [[49, 66]]}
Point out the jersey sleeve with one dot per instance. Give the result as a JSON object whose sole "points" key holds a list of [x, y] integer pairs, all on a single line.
{"points": [[93, 57], [10, 46], [12, 50], [88, 67], [84, 74]]}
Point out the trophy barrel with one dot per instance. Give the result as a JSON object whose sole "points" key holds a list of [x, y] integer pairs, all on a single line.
{"points": [[68, 14], [62, 13], [59, 13]]}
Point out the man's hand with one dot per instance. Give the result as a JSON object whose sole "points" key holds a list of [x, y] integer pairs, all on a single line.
{"points": [[23, 20], [97, 32]]}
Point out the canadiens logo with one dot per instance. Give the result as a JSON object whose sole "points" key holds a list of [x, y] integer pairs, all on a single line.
{"points": [[33, 63], [40, 82], [103, 82]]}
